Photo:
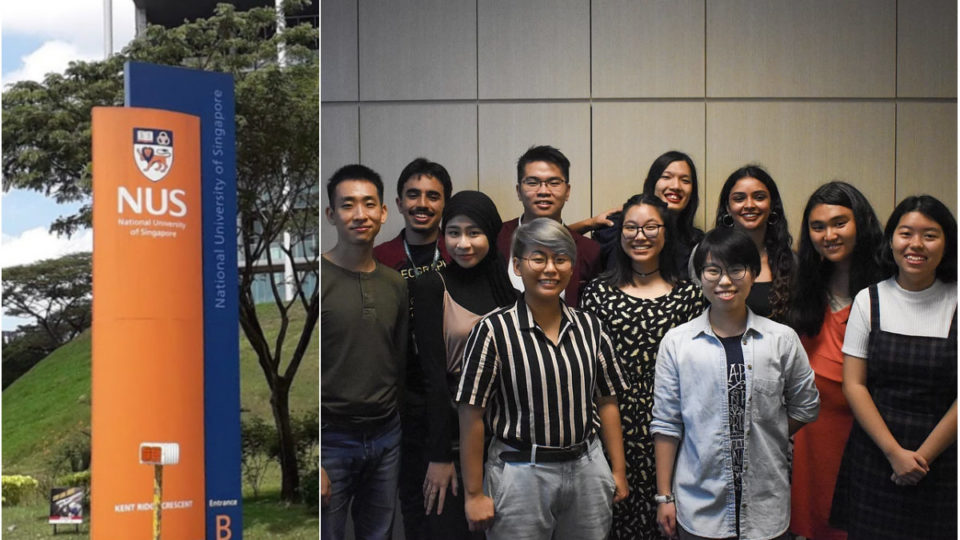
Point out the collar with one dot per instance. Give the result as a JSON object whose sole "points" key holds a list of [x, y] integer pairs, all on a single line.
{"points": [[525, 319], [701, 325]]}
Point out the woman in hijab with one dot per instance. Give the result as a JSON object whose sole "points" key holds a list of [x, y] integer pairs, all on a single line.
{"points": [[448, 304]]}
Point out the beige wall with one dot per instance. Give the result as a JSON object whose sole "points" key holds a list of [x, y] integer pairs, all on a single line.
{"points": [[859, 90]]}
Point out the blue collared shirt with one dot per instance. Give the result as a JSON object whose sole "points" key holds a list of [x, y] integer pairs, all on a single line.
{"points": [[690, 404]]}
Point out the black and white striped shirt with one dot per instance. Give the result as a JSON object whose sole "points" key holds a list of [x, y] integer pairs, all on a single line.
{"points": [[538, 392]]}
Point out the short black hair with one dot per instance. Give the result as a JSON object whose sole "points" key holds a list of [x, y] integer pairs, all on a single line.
{"points": [[543, 153], [423, 167], [935, 210], [354, 172], [727, 246]]}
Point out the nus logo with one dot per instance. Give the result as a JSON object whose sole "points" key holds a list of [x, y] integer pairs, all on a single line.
{"points": [[153, 154], [165, 202]]}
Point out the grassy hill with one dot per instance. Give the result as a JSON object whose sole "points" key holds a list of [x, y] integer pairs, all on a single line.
{"points": [[51, 403]]}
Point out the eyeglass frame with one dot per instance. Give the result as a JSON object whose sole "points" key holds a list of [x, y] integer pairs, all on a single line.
{"points": [[531, 187], [723, 271], [641, 228], [533, 266]]}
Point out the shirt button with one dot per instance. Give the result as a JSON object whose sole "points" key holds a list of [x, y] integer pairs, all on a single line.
{"points": [[744, 341], [749, 366]]}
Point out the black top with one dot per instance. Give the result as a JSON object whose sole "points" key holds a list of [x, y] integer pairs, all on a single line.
{"points": [[759, 299], [470, 289], [736, 401], [511, 367]]}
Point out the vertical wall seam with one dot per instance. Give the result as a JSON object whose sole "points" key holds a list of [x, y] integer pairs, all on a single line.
{"points": [[359, 123], [896, 92], [476, 45], [705, 157], [593, 211]]}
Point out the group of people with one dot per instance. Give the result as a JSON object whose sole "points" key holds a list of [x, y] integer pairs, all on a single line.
{"points": [[520, 380]]}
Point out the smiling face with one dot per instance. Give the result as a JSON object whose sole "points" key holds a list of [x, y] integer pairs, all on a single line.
{"points": [[542, 200], [749, 204], [466, 242], [726, 294], [918, 244], [833, 231], [644, 252], [421, 203], [357, 212], [545, 273], [675, 186]]}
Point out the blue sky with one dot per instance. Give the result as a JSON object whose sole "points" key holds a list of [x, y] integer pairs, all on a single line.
{"points": [[37, 38]]}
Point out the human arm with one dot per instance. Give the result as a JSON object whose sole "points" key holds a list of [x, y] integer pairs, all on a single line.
{"points": [[943, 435], [799, 387], [478, 507], [909, 467], [593, 223], [665, 454], [325, 487], [612, 433], [428, 331]]}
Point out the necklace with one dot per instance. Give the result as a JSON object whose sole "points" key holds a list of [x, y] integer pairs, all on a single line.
{"points": [[646, 274]]}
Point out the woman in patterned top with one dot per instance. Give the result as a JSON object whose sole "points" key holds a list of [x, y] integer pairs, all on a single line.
{"points": [[639, 299]]}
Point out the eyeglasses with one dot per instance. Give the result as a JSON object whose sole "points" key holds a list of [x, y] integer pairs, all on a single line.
{"points": [[530, 183], [650, 230], [713, 273], [538, 262]]}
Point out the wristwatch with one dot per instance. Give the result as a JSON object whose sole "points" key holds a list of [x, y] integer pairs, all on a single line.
{"points": [[663, 499]]}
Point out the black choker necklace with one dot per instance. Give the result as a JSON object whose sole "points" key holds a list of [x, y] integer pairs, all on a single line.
{"points": [[646, 274]]}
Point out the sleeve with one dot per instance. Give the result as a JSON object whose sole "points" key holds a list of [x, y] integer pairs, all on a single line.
{"points": [[588, 298], [694, 303], [481, 366], [667, 411], [857, 336], [428, 333], [611, 380], [799, 389]]}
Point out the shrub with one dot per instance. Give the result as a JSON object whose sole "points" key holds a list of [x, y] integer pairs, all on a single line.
{"points": [[257, 442], [310, 487], [16, 488]]}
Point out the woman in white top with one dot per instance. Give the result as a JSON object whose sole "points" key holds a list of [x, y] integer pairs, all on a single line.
{"points": [[898, 477]]}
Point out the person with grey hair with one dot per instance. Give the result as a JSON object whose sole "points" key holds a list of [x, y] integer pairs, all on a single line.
{"points": [[545, 378]]}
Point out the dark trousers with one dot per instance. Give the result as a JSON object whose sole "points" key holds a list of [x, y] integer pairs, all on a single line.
{"points": [[413, 464]]}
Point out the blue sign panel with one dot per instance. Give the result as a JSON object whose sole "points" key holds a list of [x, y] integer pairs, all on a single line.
{"points": [[209, 95]]}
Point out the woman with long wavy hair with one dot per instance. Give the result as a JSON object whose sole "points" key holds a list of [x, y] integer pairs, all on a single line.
{"points": [[750, 201], [839, 240]]}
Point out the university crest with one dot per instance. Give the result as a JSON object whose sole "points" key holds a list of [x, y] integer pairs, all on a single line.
{"points": [[153, 152]]}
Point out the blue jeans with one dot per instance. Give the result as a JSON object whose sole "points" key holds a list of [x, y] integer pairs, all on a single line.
{"points": [[363, 467]]}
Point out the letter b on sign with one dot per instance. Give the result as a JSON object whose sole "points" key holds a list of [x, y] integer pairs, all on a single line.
{"points": [[223, 527]]}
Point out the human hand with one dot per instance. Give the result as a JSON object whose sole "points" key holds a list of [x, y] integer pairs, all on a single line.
{"points": [[602, 219], [439, 476], [326, 488], [909, 467], [620, 479], [667, 519], [479, 512]]}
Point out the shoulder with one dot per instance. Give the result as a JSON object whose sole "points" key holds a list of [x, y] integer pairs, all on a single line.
{"points": [[684, 332], [783, 335], [686, 288], [586, 247], [390, 276], [391, 252], [597, 286]]}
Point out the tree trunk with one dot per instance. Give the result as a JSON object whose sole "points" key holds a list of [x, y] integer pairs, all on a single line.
{"points": [[290, 475]]}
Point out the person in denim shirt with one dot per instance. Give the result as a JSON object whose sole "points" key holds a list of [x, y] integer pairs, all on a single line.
{"points": [[730, 388]]}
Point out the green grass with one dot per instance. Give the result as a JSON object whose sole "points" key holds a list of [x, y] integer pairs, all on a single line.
{"points": [[51, 402]]}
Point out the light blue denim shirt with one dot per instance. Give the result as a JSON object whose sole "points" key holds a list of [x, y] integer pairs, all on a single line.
{"points": [[690, 404]]}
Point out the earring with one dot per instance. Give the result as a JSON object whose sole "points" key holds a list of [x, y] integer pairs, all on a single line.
{"points": [[726, 220], [773, 218]]}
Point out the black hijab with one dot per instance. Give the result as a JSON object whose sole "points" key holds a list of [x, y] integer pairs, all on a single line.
{"points": [[481, 210]]}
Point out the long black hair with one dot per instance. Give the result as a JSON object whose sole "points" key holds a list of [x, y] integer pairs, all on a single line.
{"points": [[810, 295], [776, 238], [935, 210], [685, 232], [620, 272]]}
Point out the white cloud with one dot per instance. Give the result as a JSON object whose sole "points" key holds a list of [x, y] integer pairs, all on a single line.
{"points": [[37, 244], [52, 56], [79, 22]]}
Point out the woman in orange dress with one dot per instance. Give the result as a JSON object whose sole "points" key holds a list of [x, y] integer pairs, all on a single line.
{"points": [[839, 237]]}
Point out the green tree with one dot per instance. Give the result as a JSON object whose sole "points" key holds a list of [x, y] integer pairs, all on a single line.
{"points": [[46, 148], [55, 293]]}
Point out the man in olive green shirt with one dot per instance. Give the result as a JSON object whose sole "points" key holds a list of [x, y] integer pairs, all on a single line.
{"points": [[364, 320]]}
